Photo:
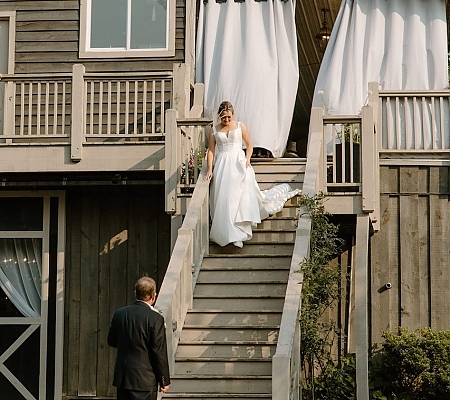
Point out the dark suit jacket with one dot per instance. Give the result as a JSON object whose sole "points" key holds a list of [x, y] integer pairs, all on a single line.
{"points": [[139, 334]]}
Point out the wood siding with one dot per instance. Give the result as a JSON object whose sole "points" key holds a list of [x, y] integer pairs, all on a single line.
{"points": [[114, 236], [47, 35], [411, 250]]}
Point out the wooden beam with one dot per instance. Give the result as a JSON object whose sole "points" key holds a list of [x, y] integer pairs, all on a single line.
{"points": [[360, 265], [78, 101]]}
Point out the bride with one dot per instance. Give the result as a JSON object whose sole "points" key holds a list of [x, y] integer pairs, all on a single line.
{"points": [[236, 202]]}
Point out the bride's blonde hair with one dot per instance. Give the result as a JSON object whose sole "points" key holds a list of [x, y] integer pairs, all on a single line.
{"points": [[225, 106]]}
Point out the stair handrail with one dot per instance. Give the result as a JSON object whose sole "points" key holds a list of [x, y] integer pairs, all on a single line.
{"points": [[192, 243], [286, 360]]}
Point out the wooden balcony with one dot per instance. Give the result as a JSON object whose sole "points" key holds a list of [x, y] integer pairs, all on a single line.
{"points": [[80, 121]]}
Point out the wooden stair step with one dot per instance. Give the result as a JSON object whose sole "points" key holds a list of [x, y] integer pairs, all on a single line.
{"points": [[254, 248], [211, 262], [227, 349], [214, 396], [221, 384], [261, 304], [229, 334], [243, 276], [241, 290], [238, 318]]}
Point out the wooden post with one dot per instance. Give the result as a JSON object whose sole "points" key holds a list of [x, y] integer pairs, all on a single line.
{"points": [[181, 89], [360, 265], [171, 160], [78, 117], [197, 108], [9, 110], [314, 182], [375, 103], [189, 42], [368, 159]]}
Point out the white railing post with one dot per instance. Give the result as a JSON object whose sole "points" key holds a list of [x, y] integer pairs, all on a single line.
{"points": [[78, 115], [315, 178], [172, 161], [368, 159]]}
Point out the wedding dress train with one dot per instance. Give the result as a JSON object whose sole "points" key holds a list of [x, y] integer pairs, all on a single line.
{"points": [[236, 202]]}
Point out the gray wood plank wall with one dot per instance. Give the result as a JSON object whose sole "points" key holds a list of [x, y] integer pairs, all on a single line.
{"points": [[411, 251], [114, 236], [47, 40]]}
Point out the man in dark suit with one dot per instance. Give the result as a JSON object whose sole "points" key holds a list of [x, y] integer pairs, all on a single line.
{"points": [[138, 332]]}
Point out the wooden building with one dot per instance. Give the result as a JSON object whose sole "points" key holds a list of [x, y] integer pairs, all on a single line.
{"points": [[93, 136]]}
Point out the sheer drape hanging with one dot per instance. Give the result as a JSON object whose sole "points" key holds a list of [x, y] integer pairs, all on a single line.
{"points": [[20, 274], [247, 54], [402, 44]]}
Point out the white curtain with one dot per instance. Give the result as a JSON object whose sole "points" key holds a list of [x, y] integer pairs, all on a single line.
{"points": [[247, 54], [20, 274], [401, 44]]}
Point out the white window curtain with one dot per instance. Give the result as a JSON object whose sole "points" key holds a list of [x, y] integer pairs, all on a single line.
{"points": [[401, 44], [20, 274], [247, 54]]}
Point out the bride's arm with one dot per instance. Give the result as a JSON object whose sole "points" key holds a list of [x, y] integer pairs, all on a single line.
{"points": [[210, 153], [248, 143]]}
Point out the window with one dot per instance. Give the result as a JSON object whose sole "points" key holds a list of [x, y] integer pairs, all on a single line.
{"points": [[127, 28]]}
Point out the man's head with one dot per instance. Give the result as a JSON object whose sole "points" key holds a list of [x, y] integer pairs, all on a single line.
{"points": [[145, 289]]}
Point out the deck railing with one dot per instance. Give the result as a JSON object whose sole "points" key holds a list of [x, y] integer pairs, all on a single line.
{"points": [[415, 121], [78, 107], [185, 146]]}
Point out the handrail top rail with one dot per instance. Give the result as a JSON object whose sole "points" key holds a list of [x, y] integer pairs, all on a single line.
{"points": [[25, 77], [194, 121], [338, 119], [423, 93], [100, 75]]}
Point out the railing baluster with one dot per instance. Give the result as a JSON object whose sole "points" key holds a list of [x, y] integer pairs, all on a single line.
{"points": [[163, 95], [55, 107], [22, 108], [153, 107], [91, 108], [108, 128], [442, 130], [118, 109], [30, 107], [100, 107], [144, 107], [127, 105], [136, 93], [38, 109], [63, 109], [47, 104]]}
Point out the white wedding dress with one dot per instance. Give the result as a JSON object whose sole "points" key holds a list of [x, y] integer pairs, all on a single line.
{"points": [[236, 202]]}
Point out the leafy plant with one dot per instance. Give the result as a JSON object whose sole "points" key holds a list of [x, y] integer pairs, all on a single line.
{"points": [[321, 291], [350, 132]]}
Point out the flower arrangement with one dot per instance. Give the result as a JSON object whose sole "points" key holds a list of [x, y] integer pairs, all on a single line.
{"points": [[195, 160]]}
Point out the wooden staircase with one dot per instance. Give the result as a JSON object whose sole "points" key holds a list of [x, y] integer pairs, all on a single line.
{"points": [[230, 335]]}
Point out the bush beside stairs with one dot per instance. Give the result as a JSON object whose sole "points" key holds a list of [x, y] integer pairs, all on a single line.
{"points": [[230, 335]]}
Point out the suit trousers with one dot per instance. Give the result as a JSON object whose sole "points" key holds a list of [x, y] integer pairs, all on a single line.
{"points": [[126, 394]]}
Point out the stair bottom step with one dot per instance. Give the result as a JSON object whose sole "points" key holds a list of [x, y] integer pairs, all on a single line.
{"points": [[222, 385], [218, 396]]}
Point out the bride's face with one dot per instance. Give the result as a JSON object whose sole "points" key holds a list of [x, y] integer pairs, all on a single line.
{"points": [[226, 117]]}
